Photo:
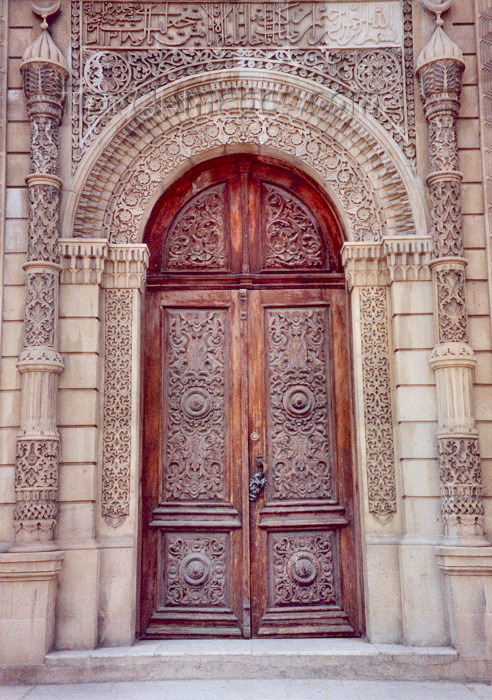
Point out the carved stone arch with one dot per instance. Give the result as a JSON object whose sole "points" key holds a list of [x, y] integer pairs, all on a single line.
{"points": [[153, 142]]}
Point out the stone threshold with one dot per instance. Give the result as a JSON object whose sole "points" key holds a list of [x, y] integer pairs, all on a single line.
{"points": [[255, 659]]}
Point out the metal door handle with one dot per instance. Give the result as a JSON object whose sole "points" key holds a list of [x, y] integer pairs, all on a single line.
{"points": [[258, 481]]}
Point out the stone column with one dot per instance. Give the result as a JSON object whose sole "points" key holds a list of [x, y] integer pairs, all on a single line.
{"points": [[28, 572], [44, 73], [439, 69], [465, 559]]}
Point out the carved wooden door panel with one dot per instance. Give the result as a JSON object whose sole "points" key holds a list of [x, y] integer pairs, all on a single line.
{"points": [[302, 550], [246, 364]]}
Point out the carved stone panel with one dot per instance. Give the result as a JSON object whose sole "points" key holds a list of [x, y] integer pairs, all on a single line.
{"points": [[196, 399], [299, 432], [198, 237], [196, 570], [303, 569], [122, 50], [292, 236], [376, 380]]}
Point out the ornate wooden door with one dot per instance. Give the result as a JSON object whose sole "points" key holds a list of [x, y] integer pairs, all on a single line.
{"points": [[248, 525]]}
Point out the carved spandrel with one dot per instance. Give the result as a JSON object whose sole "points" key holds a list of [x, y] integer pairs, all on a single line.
{"points": [[197, 238], [300, 444], [195, 389], [292, 236]]}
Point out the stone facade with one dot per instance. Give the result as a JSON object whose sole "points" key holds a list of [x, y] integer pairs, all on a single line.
{"points": [[390, 121]]}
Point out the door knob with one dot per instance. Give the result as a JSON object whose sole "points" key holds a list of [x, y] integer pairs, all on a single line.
{"points": [[258, 481]]}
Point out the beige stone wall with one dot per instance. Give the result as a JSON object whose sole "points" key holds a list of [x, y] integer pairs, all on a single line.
{"points": [[410, 606]]}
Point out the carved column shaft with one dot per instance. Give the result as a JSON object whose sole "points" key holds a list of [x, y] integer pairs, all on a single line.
{"points": [[440, 69], [36, 478]]}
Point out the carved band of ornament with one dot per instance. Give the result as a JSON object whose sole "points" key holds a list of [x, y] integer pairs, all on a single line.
{"points": [[82, 261], [437, 177], [40, 359], [398, 259], [452, 354], [36, 486], [44, 179], [126, 267], [378, 412], [117, 425]]}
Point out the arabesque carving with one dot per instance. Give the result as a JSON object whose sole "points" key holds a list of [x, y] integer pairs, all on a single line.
{"points": [[292, 236], [378, 418], [299, 404], [195, 377], [121, 52], [117, 411], [461, 482]]}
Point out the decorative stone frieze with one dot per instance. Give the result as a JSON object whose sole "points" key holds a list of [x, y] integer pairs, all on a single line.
{"points": [[439, 69], [44, 73], [362, 51], [82, 261]]}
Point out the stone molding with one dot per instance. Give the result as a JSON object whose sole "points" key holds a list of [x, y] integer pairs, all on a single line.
{"points": [[401, 259], [440, 69], [95, 261], [147, 147]]}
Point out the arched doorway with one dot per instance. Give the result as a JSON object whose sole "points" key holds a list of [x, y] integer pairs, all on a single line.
{"points": [[248, 524]]}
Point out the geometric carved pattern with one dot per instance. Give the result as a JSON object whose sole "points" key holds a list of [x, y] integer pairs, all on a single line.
{"points": [[300, 428], [119, 55], [196, 570], [380, 453], [36, 485], [196, 238], [293, 238], [451, 305], [195, 372], [117, 425], [303, 569], [461, 481]]}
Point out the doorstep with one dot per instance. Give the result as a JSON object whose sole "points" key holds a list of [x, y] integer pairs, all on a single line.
{"points": [[259, 658]]}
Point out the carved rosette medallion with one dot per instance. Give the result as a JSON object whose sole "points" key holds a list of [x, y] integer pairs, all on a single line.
{"points": [[378, 417], [300, 430], [195, 388], [439, 69], [44, 73], [304, 570], [196, 570]]}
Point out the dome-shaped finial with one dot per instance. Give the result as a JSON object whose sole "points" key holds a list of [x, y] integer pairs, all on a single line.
{"points": [[440, 47], [44, 50], [45, 8], [438, 7]]}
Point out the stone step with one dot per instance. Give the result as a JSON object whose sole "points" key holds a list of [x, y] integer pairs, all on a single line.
{"points": [[255, 659]]}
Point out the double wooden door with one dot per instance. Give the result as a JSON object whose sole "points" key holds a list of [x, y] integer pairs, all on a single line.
{"points": [[248, 524]]}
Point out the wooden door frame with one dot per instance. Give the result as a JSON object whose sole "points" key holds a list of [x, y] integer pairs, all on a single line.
{"points": [[356, 505]]}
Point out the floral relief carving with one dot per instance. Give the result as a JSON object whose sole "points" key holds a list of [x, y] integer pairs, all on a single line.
{"points": [[40, 319], [378, 418], [116, 462], [197, 238], [44, 146], [443, 143], [113, 66], [446, 218], [300, 443], [303, 569], [451, 305], [349, 182], [36, 484], [461, 481], [293, 238], [195, 371], [42, 243], [196, 570]]}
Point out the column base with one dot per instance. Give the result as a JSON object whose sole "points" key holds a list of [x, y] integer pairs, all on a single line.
{"points": [[27, 605], [468, 573]]}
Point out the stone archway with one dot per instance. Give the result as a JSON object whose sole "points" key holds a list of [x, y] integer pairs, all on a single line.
{"points": [[153, 142]]}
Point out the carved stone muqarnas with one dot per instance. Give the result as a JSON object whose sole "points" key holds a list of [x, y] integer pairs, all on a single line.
{"points": [[44, 74], [440, 69]]}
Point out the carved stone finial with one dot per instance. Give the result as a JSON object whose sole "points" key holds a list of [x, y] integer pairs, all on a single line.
{"points": [[45, 8], [439, 47], [44, 50], [438, 7]]}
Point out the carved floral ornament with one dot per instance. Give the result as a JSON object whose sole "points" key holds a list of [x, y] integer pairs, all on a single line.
{"points": [[366, 175]]}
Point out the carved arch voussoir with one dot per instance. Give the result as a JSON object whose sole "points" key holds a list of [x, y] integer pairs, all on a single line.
{"points": [[146, 149]]}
